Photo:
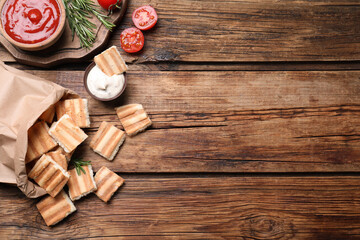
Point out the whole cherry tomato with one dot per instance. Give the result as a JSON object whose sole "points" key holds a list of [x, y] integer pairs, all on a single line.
{"points": [[144, 17], [109, 4], [132, 40]]}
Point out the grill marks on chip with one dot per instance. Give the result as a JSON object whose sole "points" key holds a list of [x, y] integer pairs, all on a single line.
{"points": [[77, 109], [39, 141], [62, 151], [59, 158], [107, 140], [110, 62], [55, 209], [67, 134], [107, 183], [49, 175], [133, 118], [81, 185], [60, 109]]}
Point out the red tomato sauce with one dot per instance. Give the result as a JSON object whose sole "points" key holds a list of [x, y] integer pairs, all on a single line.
{"points": [[30, 21]]}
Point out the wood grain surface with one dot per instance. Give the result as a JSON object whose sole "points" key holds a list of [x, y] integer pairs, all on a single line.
{"points": [[283, 121], [188, 207], [255, 136], [239, 30]]}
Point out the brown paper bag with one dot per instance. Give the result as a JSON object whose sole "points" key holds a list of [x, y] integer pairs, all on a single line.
{"points": [[23, 98]]}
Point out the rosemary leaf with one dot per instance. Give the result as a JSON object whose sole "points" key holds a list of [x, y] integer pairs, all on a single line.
{"points": [[78, 171], [90, 7], [81, 169], [78, 163]]}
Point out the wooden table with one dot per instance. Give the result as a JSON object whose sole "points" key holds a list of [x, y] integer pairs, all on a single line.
{"points": [[256, 131]]}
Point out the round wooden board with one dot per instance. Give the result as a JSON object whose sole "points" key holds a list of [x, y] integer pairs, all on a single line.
{"points": [[66, 49]]}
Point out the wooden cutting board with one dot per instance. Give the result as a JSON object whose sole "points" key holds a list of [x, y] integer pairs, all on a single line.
{"points": [[66, 49]]}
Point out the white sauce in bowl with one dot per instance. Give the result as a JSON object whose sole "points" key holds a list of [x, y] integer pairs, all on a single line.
{"points": [[103, 86]]}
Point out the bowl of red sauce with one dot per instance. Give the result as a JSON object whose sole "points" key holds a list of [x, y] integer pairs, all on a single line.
{"points": [[32, 24]]}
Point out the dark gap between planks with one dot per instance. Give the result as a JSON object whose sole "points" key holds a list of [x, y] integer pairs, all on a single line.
{"points": [[146, 175], [215, 66]]}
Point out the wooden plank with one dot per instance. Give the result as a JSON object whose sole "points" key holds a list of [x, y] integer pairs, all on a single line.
{"points": [[233, 121], [200, 208], [241, 30], [224, 91]]}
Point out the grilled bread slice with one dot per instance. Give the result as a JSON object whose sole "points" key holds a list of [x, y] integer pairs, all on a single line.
{"points": [[58, 156], [60, 109], [107, 183], [111, 62], [49, 175], [77, 109], [39, 141], [67, 155], [55, 209], [133, 118], [81, 185], [107, 140], [48, 115], [67, 134]]}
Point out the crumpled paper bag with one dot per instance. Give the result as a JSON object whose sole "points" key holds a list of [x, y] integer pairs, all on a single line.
{"points": [[23, 98]]}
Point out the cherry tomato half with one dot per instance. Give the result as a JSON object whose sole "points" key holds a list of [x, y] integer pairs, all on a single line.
{"points": [[132, 40], [107, 3], [144, 17]]}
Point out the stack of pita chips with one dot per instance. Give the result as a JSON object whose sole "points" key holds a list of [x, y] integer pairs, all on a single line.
{"points": [[49, 151], [49, 175], [39, 141]]}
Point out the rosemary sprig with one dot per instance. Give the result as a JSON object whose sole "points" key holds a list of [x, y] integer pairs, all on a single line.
{"points": [[102, 18], [78, 13], [78, 163]]}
